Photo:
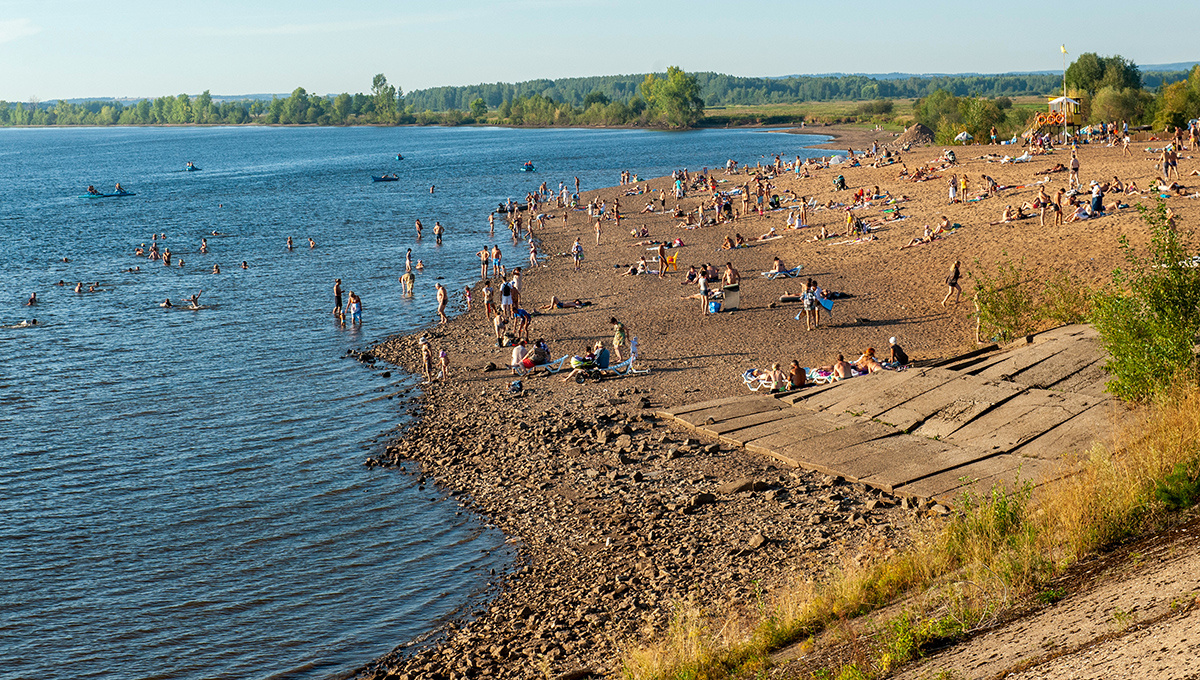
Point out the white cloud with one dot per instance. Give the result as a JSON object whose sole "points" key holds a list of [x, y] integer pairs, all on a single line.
{"points": [[15, 29]]}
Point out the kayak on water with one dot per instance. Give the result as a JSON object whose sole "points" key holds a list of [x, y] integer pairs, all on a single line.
{"points": [[385, 178], [528, 167], [399, 156], [120, 195], [190, 167]]}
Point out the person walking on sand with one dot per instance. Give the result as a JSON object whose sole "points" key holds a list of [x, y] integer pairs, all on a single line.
{"points": [[337, 297], [467, 296], [952, 284], [441, 304]]}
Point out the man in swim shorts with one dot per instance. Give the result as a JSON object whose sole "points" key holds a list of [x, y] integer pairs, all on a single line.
{"points": [[337, 296]]}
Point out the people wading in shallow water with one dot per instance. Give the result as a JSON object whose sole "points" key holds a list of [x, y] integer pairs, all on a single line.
{"points": [[289, 243], [337, 297]]}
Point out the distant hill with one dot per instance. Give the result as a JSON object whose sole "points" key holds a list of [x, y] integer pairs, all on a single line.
{"points": [[1177, 66]]}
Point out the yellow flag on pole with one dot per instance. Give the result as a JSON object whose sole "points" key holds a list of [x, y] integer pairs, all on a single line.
{"points": [[1064, 49]]}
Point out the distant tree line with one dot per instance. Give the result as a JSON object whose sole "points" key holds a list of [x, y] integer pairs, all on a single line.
{"points": [[673, 99]]}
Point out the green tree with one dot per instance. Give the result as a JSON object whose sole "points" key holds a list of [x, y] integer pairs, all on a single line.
{"points": [[384, 96], [181, 110], [1149, 317], [596, 97], [479, 109], [342, 108], [675, 99]]}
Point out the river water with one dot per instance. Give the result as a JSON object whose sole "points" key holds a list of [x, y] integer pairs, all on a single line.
{"points": [[182, 491]]}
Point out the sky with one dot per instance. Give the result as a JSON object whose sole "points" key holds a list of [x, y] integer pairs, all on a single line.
{"points": [[53, 49]]}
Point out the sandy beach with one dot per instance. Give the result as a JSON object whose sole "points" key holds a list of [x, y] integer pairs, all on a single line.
{"points": [[622, 522]]}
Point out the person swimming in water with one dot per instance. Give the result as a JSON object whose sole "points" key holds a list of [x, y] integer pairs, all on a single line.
{"points": [[195, 299], [32, 300], [166, 303]]}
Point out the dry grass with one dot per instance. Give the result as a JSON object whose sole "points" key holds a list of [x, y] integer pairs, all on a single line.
{"points": [[961, 574]]}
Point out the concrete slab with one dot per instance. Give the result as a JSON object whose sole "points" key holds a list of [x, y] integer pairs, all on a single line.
{"points": [[1016, 362], [924, 460], [838, 392], [1089, 380], [1077, 355], [1097, 424], [1017, 421], [965, 399], [740, 437], [944, 484], [885, 391], [1006, 471], [743, 407], [719, 428], [700, 405], [828, 443]]}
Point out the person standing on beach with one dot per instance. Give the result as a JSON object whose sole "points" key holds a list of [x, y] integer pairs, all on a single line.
{"points": [[577, 254], [952, 284], [577, 184], [662, 260], [496, 271], [438, 230], [467, 296], [1073, 180], [599, 227], [533, 253], [484, 257], [515, 286], [337, 297], [619, 338], [443, 365], [426, 358], [489, 309], [441, 304]]}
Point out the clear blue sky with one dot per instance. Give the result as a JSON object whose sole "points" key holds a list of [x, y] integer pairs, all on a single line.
{"points": [[63, 49]]}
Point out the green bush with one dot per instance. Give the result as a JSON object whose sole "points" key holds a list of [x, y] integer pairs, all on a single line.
{"points": [[1148, 318]]}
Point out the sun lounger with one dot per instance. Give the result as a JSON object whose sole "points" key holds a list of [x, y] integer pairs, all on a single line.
{"points": [[551, 367], [787, 274]]}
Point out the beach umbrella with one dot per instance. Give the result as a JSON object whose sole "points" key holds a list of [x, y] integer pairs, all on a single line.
{"points": [[963, 136]]}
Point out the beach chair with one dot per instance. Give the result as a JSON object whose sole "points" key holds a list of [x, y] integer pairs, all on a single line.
{"points": [[787, 274], [672, 263], [625, 367]]}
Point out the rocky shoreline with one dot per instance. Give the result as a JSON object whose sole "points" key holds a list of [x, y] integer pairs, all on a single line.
{"points": [[620, 521]]}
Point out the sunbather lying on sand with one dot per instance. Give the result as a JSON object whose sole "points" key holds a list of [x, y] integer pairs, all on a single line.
{"points": [[555, 303], [1058, 167]]}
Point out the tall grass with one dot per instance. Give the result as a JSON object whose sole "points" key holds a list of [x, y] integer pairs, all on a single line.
{"points": [[961, 574]]}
